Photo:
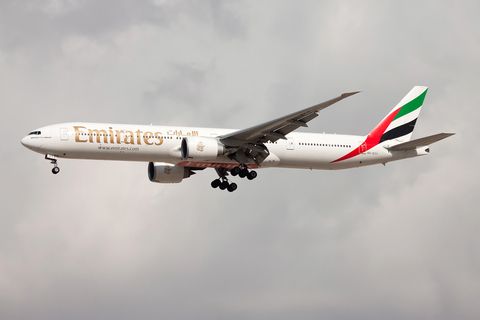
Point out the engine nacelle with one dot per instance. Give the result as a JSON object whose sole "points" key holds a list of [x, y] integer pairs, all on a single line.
{"points": [[201, 148], [162, 172]]}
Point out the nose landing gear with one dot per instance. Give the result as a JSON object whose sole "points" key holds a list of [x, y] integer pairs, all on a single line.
{"points": [[53, 160], [55, 169]]}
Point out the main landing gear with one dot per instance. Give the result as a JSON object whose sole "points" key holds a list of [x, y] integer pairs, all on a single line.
{"points": [[222, 183], [243, 172], [53, 161]]}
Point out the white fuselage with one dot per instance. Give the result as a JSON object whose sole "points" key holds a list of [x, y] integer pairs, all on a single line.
{"points": [[126, 142]]}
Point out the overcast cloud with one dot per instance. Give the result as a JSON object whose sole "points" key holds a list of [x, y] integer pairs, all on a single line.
{"points": [[100, 241]]}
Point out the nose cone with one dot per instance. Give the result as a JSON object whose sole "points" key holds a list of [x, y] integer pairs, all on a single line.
{"points": [[26, 141], [32, 142]]}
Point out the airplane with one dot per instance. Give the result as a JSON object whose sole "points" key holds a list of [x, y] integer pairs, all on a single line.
{"points": [[175, 153]]}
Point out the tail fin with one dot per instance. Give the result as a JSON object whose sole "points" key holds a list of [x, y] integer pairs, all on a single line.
{"points": [[400, 122], [398, 125]]}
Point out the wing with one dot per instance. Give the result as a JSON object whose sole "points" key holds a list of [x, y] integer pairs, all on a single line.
{"points": [[278, 128], [247, 146]]}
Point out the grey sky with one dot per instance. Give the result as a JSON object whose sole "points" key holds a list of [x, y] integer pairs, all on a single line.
{"points": [[100, 241]]}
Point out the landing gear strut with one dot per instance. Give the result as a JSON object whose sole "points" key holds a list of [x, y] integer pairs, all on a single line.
{"points": [[53, 161]]}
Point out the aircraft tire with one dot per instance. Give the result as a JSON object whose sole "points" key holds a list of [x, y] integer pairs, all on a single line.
{"points": [[215, 183], [235, 171], [55, 170], [225, 185], [243, 173], [232, 187], [252, 175]]}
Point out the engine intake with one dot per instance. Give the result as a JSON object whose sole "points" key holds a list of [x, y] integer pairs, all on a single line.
{"points": [[162, 172], [201, 148]]}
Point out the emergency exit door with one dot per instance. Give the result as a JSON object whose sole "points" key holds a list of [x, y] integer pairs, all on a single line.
{"points": [[290, 144]]}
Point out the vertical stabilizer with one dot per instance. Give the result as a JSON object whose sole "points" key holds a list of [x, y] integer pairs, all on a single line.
{"points": [[399, 123], [397, 127]]}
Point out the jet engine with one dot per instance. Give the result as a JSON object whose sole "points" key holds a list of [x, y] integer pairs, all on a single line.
{"points": [[162, 172], [201, 148]]}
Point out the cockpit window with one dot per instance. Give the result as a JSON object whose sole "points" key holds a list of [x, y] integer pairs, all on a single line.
{"points": [[35, 132]]}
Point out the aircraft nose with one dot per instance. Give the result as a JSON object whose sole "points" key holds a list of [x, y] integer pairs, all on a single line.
{"points": [[25, 141], [32, 144]]}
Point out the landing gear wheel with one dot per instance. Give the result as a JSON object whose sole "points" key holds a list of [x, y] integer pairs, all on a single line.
{"points": [[55, 170], [215, 183], [252, 175], [232, 187], [224, 185], [235, 171], [243, 173], [222, 182]]}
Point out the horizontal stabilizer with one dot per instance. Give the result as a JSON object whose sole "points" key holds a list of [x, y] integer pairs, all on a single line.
{"points": [[422, 142]]}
